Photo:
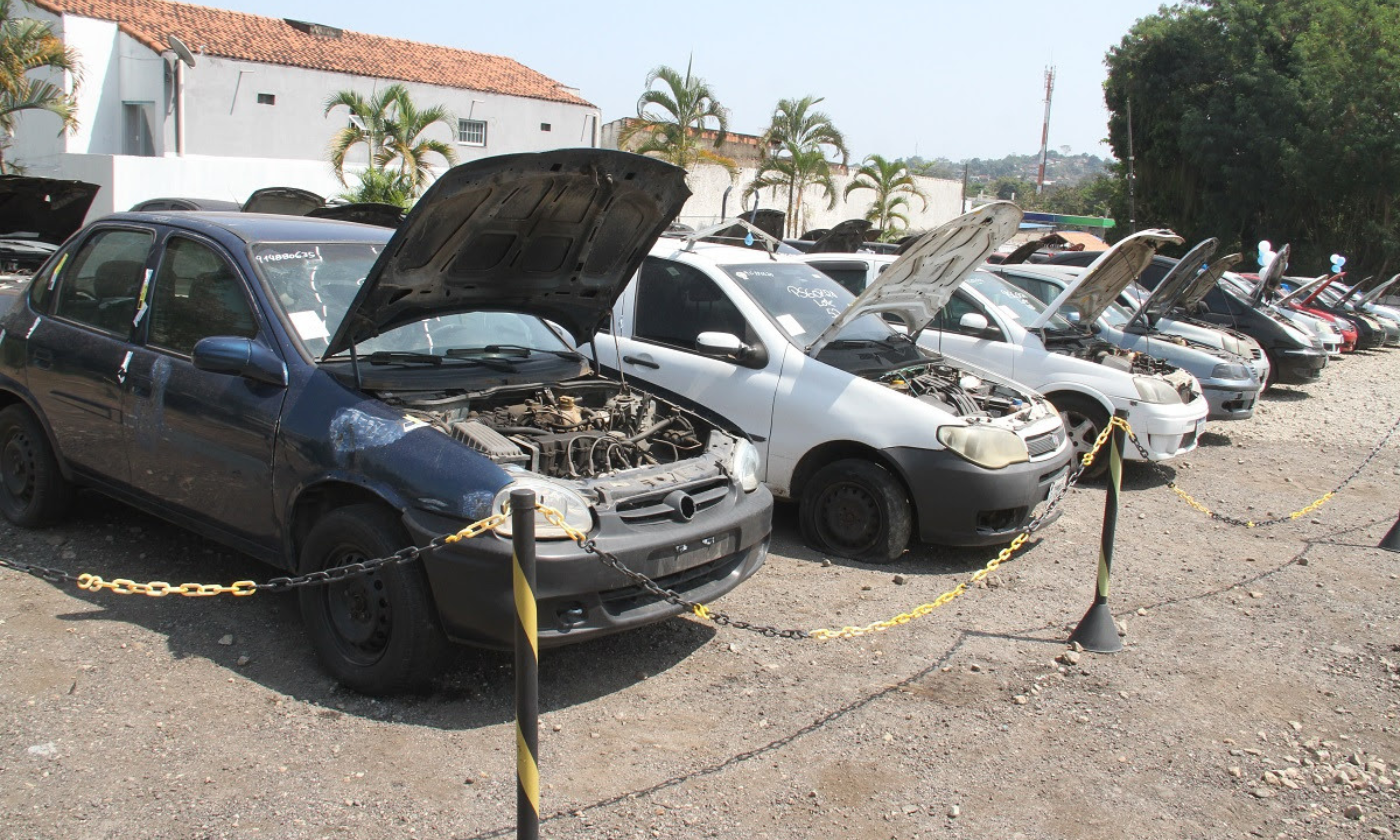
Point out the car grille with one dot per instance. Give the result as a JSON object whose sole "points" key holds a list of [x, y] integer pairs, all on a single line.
{"points": [[652, 507], [1039, 445]]}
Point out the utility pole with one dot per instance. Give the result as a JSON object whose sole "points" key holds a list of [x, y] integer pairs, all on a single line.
{"points": [[1045, 130], [1132, 177]]}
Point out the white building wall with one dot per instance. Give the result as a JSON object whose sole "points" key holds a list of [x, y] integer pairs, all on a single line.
{"points": [[708, 183]]}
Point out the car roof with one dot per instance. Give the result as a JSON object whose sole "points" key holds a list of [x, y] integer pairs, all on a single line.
{"points": [[261, 227], [718, 253]]}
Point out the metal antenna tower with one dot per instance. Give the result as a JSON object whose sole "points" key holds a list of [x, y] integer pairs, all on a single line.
{"points": [[1045, 130]]}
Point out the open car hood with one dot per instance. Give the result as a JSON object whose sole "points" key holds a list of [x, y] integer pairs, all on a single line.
{"points": [[1108, 275], [287, 201], [1270, 277], [1305, 289], [1376, 293], [1195, 291], [43, 209], [556, 234], [921, 281], [365, 213], [1164, 297]]}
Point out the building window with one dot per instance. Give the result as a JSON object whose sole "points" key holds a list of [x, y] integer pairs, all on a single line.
{"points": [[267, 99], [546, 127], [136, 129], [471, 132]]}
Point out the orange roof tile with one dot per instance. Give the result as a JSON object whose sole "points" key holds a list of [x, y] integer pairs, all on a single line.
{"points": [[268, 40]]}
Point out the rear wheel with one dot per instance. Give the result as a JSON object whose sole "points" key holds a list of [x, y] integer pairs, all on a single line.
{"points": [[855, 508], [33, 491], [1084, 420], [377, 633]]}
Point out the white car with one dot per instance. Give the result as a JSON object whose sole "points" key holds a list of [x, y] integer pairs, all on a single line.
{"points": [[874, 437], [1001, 327]]}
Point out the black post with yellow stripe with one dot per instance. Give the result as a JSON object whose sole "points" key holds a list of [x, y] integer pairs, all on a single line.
{"points": [[527, 667], [1096, 631]]}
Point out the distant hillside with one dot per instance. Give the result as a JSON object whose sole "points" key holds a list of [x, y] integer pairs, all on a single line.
{"points": [[1061, 169]]}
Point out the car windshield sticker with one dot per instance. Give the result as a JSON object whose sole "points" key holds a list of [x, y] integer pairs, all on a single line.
{"points": [[32, 327], [2, 335], [141, 300], [288, 256], [57, 270], [121, 371], [790, 324], [309, 325]]}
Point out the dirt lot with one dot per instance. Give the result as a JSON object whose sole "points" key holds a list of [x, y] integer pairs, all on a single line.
{"points": [[1257, 695]]}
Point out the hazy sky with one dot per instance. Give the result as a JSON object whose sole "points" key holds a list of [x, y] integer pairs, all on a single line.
{"points": [[943, 79]]}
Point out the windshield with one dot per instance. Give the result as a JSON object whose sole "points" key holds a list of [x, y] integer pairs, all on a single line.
{"points": [[315, 283], [1016, 304], [1116, 316], [804, 301]]}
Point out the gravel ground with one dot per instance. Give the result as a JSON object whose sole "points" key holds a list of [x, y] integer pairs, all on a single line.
{"points": [[1257, 695]]}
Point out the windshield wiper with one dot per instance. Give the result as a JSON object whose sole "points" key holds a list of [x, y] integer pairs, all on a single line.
{"points": [[404, 357], [512, 350]]}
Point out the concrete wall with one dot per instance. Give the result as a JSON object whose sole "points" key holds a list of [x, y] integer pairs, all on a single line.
{"points": [[708, 184]]}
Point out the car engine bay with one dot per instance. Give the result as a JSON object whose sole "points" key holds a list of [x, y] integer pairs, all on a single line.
{"points": [[961, 393]]}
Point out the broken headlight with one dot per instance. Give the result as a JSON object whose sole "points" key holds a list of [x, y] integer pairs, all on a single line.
{"points": [[984, 446], [578, 514]]}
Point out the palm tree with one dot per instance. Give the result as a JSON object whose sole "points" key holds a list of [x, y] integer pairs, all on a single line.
{"points": [[673, 120], [796, 153], [27, 45], [894, 187], [390, 125], [383, 187]]}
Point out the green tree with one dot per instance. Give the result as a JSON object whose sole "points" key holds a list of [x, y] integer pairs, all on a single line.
{"points": [[1266, 119], [382, 186], [391, 127], [796, 148], [672, 120], [894, 187], [26, 46]]}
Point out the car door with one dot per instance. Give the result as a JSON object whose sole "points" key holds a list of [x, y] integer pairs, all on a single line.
{"points": [[79, 356], [987, 348], [656, 330], [201, 443]]}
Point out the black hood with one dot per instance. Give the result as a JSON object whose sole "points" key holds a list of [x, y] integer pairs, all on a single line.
{"points": [[43, 209], [365, 213], [1181, 275], [286, 201], [555, 234]]}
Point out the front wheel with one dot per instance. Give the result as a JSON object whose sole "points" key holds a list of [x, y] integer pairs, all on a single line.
{"points": [[377, 633], [855, 508], [1084, 421], [33, 491]]}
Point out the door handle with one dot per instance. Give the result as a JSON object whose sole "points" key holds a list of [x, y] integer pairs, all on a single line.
{"points": [[641, 361], [43, 359]]}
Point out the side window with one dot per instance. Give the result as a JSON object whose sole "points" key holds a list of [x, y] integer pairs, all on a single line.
{"points": [[42, 286], [950, 316], [675, 303], [196, 295], [102, 284]]}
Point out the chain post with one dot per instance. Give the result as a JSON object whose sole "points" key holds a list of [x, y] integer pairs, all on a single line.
{"points": [[1391, 541], [1096, 631], [527, 667]]}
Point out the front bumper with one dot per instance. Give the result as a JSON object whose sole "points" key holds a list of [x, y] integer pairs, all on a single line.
{"points": [[578, 597], [1165, 431], [1230, 400], [1299, 367], [960, 503]]}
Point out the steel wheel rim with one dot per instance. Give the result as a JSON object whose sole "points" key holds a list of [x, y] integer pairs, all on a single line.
{"points": [[18, 464], [1083, 432], [358, 611], [849, 517]]}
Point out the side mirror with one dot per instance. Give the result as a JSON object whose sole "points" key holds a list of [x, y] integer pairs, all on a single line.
{"points": [[240, 357], [727, 346], [973, 322]]}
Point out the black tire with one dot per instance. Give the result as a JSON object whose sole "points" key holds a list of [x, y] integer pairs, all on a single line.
{"points": [[376, 633], [854, 508], [1084, 420], [33, 491]]}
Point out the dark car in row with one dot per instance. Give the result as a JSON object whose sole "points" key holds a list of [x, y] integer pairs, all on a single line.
{"points": [[318, 393]]}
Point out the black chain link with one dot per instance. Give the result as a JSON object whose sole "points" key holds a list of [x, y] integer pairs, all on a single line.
{"points": [[50, 575]]}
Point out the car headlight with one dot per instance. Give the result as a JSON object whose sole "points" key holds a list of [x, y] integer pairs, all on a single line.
{"points": [[1155, 390], [744, 465], [576, 509], [1230, 371], [984, 446]]}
